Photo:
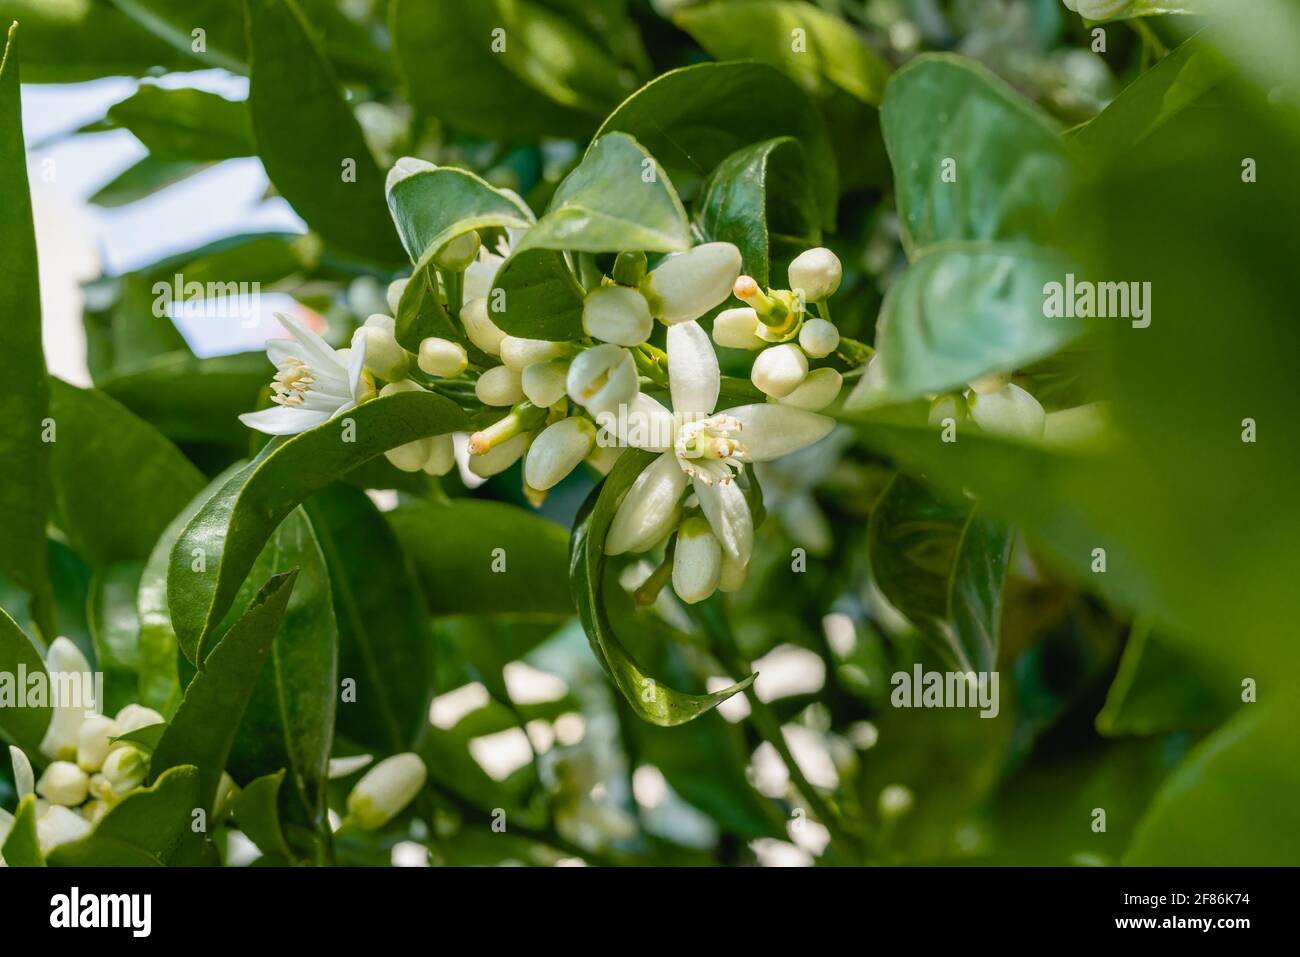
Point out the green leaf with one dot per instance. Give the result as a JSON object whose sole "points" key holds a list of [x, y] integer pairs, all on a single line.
{"points": [[24, 480], [22, 847], [266, 258], [1163, 686], [257, 812], [203, 730], [1231, 803], [145, 178], [433, 207], [146, 738], [649, 699], [1012, 170], [761, 199], [693, 118], [309, 141], [617, 199], [421, 314], [232, 526], [538, 295], [454, 548], [25, 727], [71, 41], [115, 628], [145, 829], [943, 566], [964, 310], [548, 80], [384, 640], [117, 481], [130, 333], [832, 55], [186, 124]]}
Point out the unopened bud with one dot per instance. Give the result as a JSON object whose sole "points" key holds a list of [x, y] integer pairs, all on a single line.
{"points": [[949, 406], [895, 800], [617, 314], [819, 338], [629, 268], [60, 741], [480, 328], [125, 768], [737, 328], [93, 741], [733, 575], [59, 825], [385, 790], [385, 357], [519, 354], [133, 717], [1011, 411], [24, 778], [442, 357], [394, 294], [987, 385], [442, 455], [602, 378], [818, 390], [456, 255], [63, 783], [94, 810], [816, 273], [557, 451], [544, 383], [697, 561], [411, 456], [500, 457], [498, 386], [780, 370], [685, 286]]}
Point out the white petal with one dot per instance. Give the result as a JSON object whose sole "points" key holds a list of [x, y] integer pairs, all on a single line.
{"points": [[693, 373], [319, 353], [725, 507], [689, 284], [278, 350], [24, 776], [480, 275], [649, 510], [642, 423], [356, 366], [281, 420], [774, 430]]}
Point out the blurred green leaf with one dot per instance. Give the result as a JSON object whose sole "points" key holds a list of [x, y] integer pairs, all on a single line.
{"points": [[117, 481], [186, 124], [144, 829], [202, 732], [115, 628], [308, 139], [129, 334], [26, 726], [144, 178], [649, 699], [692, 119], [68, 41], [617, 199], [257, 812], [231, 527], [761, 199], [21, 846]]}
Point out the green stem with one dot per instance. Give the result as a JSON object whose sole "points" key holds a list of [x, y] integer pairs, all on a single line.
{"points": [[823, 309], [853, 352], [652, 363]]}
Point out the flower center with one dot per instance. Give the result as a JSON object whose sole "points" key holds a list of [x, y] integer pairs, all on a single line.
{"points": [[710, 449], [292, 383]]}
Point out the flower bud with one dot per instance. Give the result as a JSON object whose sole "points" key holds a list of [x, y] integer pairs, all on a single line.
{"points": [[819, 338], [950, 406], [987, 385], [385, 357], [733, 575], [456, 255], [685, 286], [1098, 9], [697, 562], [604, 454], [93, 742], [60, 741], [442, 357], [24, 777], [442, 455], [602, 378], [500, 457], [778, 371], [94, 810], [544, 383], [63, 783], [411, 456], [519, 354], [133, 717], [557, 451], [405, 167], [816, 273], [385, 790], [1011, 411], [125, 768], [394, 294], [737, 329], [60, 825], [617, 314], [818, 390], [482, 331], [500, 385], [100, 789]]}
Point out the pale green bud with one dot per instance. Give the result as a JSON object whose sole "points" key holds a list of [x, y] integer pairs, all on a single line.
{"points": [[63, 783], [459, 253], [617, 314], [480, 328], [557, 451], [684, 286], [442, 455], [394, 294], [987, 385], [780, 370], [518, 354], [818, 390], [93, 741], [385, 790], [133, 717], [411, 456], [697, 561], [737, 329], [602, 378], [125, 768], [500, 457], [819, 338], [385, 357], [544, 383], [499, 386], [1011, 412], [442, 357], [816, 273]]}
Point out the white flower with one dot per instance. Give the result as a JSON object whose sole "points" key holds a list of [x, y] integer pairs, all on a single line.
{"points": [[1011, 411], [557, 451], [816, 274], [780, 370], [500, 457], [602, 378], [518, 353], [617, 314], [315, 383], [480, 328], [60, 741], [819, 338], [124, 769], [684, 286], [385, 789], [545, 383], [133, 717], [699, 447]]}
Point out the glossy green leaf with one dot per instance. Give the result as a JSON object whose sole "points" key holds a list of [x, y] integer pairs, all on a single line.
{"points": [[649, 699], [1231, 803], [307, 137], [617, 199], [825, 54], [25, 727], [145, 178], [761, 199], [231, 527], [421, 313], [964, 310], [384, 641], [115, 628], [693, 118], [22, 847], [24, 482], [117, 481], [202, 732], [432, 207], [257, 812], [1163, 686], [536, 76], [67, 41], [942, 565], [130, 333], [480, 557], [146, 738], [185, 124], [263, 257], [537, 296], [1011, 168], [145, 829]]}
